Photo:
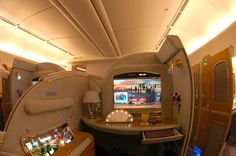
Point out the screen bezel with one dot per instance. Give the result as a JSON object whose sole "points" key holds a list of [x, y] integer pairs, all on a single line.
{"points": [[138, 75]]}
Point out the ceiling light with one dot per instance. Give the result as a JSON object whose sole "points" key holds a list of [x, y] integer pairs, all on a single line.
{"points": [[195, 35], [18, 76], [81, 69], [234, 63]]}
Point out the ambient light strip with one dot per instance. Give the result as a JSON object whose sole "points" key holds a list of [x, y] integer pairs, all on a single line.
{"points": [[45, 51], [213, 31], [234, 64], [197, 34]]}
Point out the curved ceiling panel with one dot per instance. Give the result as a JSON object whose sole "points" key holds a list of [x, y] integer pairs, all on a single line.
{"points": [[86, 16], [79, 46], [34, 47], [18, 10], [17, 42], [139, 39], [202, 20], [50, 24], [139, 25], [40, 21], [128, 14], [94, 29], [5, 32]]}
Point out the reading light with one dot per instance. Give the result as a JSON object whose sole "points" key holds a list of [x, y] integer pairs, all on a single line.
{"points": [[177, 63], [81, 69], [18, 76], [92, 99]]}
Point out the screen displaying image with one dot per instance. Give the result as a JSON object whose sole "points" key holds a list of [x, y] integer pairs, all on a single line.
{"points": [[137, 91], [121, 97]]}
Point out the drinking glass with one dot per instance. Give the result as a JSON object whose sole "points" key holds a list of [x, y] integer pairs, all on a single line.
{"points": [[144, 118], [92, 110]]}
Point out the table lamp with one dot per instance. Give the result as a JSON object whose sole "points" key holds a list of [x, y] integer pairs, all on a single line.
{"points": [[92, 99]]}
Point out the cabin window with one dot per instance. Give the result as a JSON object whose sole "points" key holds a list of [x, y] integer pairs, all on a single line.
{"points": [[220, 82]]}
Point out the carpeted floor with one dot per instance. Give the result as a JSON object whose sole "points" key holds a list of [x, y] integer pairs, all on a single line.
{"points": [[230, 147]]}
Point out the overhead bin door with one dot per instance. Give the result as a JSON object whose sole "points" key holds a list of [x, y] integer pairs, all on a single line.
{"points": [[205, 95], [221, 101], [216, 99]]}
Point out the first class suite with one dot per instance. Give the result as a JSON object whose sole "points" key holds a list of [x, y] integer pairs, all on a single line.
{"points": [[117, 78]]}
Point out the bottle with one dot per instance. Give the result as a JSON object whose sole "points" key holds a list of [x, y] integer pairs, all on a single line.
{"points": [[40, 144], [49, 149], [44, 152], [33, 145]]}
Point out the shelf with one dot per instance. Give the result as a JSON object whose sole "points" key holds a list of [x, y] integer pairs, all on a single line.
{"points": [[133, 128], [158, 136], [57, 141]]}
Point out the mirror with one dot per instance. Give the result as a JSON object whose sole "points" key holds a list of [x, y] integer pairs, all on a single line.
{"points": [[119, 116]]}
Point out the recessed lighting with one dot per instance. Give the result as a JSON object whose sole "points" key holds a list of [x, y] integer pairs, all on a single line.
{"points": [[18, 76]]}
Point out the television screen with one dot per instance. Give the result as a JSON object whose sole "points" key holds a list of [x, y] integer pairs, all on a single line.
{"points": [[137, 90]]}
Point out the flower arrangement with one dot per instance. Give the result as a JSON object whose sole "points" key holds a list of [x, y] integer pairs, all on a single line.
{"points": [[177, 101]]}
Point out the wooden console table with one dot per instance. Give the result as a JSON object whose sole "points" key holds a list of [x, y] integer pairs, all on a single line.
{"points": [[129, 128], [83, 145], [159, 131]]}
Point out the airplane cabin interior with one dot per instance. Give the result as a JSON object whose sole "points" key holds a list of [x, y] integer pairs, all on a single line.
{"points": [[117, 78]]}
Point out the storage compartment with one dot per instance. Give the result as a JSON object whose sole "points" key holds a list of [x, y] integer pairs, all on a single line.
{"points": [[158, 136], [48, 142]]}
